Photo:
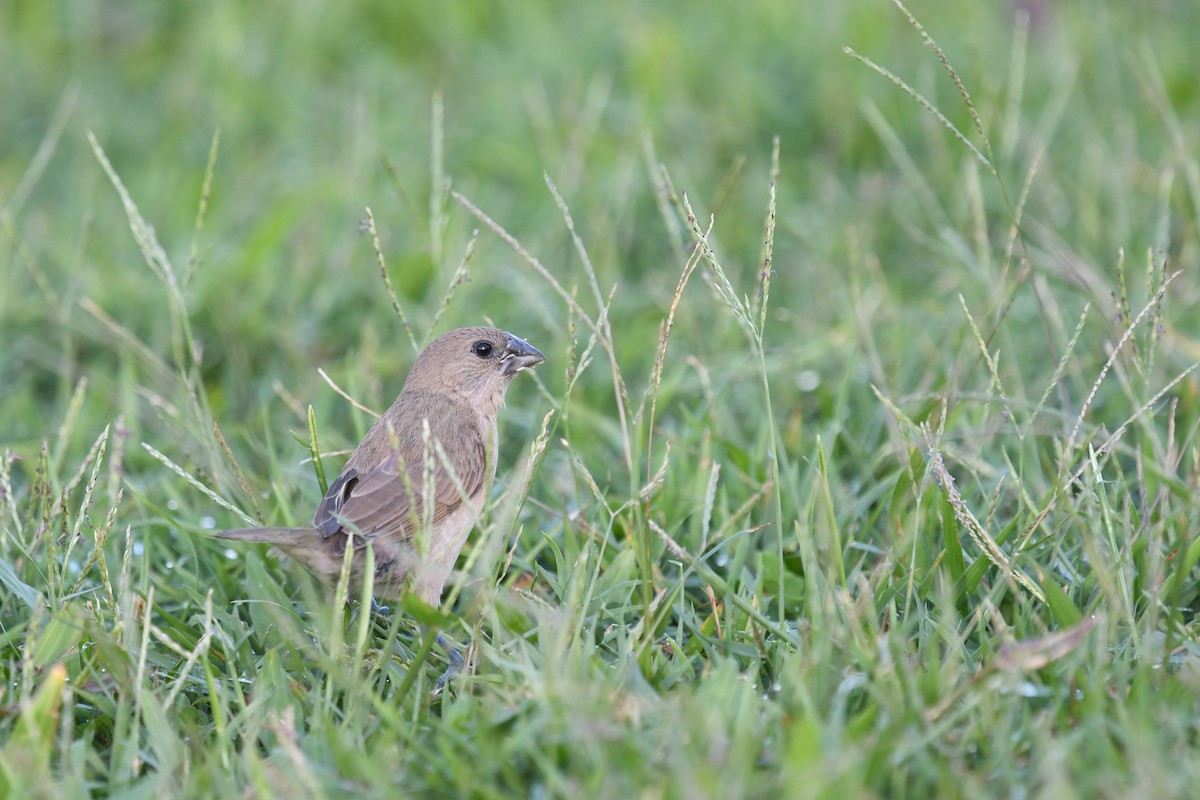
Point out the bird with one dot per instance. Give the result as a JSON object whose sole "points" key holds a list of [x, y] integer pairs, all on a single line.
{"points": [[414, 487]]}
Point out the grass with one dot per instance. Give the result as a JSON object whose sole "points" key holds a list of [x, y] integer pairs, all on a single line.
{"points": [[865, 460]]}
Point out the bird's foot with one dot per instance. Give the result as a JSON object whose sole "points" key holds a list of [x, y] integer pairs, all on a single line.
{"points": [[457, 662], [378, 610]]}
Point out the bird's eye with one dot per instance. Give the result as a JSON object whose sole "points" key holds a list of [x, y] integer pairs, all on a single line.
{"points": [[482, 349]]}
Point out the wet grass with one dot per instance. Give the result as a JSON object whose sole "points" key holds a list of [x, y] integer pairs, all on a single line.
{"points": [[864, 461]]}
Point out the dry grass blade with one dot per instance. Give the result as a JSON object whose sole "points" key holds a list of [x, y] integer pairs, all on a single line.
{"points": [[1016, 85], [664, 335], [984, 540], [46, 149], [1033, 654], [1154, 89], [397, 183], [89, 490], [710, 501], [1059, 370], [928, 106], [660, 477], [538, 267], [27, 258], [533, 462], [9, 498], [437, 178], [718, 583], [345, 395], [582, 470], [1125, 337], [721, 281], [190, 657], [1014, 232], [156, 259], [1107, 444], [663, 197], [123, 334], [96, 557], [202, 209], [67, 429], [741, 512], [941, 55], [988, 358], [181, 472], [94, 456], [602, 322], [767, 271], [369, 225], [243, 484], [461, 275]]}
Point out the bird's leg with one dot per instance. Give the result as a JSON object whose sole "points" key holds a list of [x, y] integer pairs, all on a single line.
{"points": [[457, 662]]}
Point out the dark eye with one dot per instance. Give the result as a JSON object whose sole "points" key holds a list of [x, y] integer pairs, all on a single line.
{"points": [[482, 349]]}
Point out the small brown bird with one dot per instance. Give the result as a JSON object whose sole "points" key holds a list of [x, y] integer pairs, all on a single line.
{"points": [[415, 495]]}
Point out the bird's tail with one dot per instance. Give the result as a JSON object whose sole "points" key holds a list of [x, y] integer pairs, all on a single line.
{"points": [[307, 545], [293, 537]]}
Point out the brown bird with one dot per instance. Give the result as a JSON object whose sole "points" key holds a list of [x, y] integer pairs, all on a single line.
{"points": [[414, 496]]}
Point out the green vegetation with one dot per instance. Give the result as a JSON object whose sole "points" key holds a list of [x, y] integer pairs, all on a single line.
{"points": [[928, 522]]}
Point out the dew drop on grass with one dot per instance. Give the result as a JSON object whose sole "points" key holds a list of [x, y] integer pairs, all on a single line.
{"points": [[173, 505], [137, 548], [722, 559], [808, 380], [208, 523], [230, 554]]}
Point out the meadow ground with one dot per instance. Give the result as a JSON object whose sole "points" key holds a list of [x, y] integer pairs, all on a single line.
{"points": [[864, 461]]}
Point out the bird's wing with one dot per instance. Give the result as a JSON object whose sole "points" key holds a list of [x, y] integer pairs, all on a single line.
{"points": [[325, 520], [379, 503]]}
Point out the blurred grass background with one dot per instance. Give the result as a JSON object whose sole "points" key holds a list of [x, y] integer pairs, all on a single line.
{"points": [[902, 661]]}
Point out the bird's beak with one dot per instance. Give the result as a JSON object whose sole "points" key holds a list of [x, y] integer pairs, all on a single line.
{"points": [[520, 355]]}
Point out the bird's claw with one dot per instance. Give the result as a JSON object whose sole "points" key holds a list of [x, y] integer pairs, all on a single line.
{"points": [[457, 662], [378, 610]]}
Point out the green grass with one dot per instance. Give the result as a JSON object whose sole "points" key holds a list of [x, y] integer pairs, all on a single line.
{"points": [[928, 521]]}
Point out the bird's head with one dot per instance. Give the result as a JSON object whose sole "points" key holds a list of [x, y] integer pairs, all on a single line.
{"points": [[474, 363]]}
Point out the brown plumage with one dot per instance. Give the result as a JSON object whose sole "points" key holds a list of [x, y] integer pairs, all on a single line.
{"points": [[456, 387]]}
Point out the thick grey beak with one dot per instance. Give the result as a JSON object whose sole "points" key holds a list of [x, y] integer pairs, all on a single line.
{"points": [[520, 355]]}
